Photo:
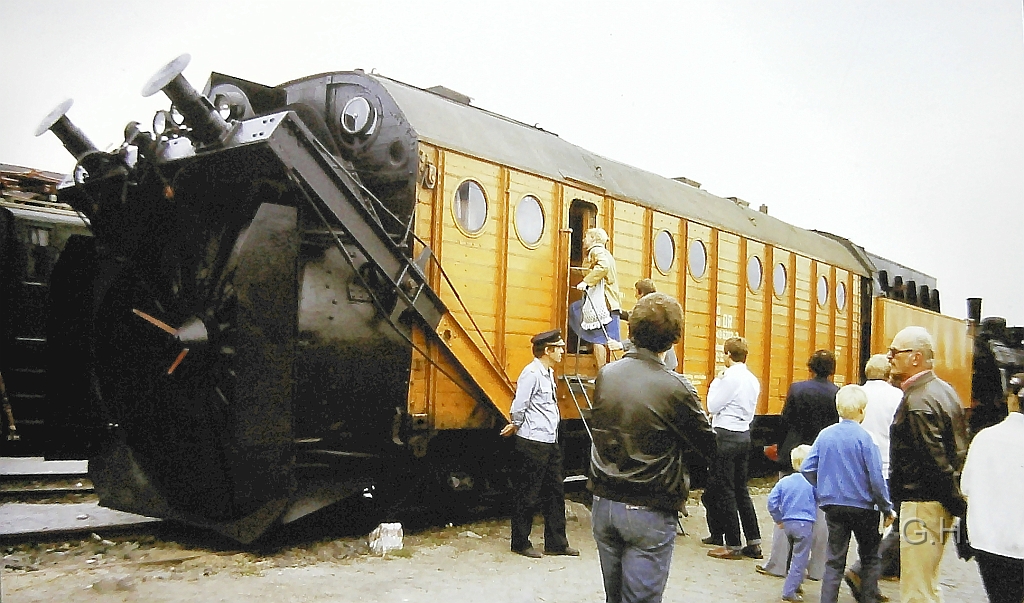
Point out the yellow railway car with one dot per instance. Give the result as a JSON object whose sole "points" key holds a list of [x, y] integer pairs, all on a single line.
{"points": [[301, 292], [954, 343], [503, 206]]}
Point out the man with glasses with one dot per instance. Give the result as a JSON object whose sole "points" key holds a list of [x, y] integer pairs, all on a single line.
{"points": [[928, 443]]}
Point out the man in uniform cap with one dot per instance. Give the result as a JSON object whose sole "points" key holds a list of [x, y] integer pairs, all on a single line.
{"points": [[538, 455]]}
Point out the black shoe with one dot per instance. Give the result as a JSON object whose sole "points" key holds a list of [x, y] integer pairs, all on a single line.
{"points": [[713, 541], [571, 552], [753, 551], [530, 552]]}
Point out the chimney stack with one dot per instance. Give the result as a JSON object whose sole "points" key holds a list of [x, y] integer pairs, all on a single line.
{"points": [[686, 180]]}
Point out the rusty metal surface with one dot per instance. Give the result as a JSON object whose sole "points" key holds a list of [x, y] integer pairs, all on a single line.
{"points": [[17, 172]]}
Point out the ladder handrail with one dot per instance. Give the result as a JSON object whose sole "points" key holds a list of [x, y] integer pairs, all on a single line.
{"points": [[376, 301], [579, 409], [421, 277]]}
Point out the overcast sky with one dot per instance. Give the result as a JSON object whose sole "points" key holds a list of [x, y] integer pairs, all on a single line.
{"points": [[899, 125]]}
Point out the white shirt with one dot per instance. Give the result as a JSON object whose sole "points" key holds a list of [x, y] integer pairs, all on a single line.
{"points": [[883, 400], [534, 409], [732, 398], [993, 482]]}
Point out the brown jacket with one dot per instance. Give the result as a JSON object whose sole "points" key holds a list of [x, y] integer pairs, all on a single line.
{"points": [[928, 441], [649, 428]]}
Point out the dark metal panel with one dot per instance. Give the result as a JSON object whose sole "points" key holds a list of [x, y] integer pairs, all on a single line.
{"points": [[257, 459]]}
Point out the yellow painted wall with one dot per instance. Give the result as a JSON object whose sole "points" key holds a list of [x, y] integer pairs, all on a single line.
{"points": [[513, 290], [846, 356], [782, 322], [699, 337], [753, 311], [531, 281], [630, 247], [803, 317], [954, 346], [668, 281], [728, 320]]}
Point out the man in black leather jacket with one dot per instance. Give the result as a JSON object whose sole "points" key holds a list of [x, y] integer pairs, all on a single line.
{"points": [[928, 442], [648, 426]]}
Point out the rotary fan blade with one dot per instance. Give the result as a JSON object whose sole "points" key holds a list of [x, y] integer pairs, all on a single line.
{"points": [[177, 333], [154, 321], [177, 361]]}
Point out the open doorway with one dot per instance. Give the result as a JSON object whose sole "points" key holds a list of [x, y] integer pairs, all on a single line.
{"points": [[582, 215]]}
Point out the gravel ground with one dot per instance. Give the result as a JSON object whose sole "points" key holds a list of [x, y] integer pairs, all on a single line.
{"points": [[455, 564]]}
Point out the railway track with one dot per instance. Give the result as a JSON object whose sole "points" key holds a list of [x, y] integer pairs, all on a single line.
{"points": [[47, 500], [44, 489], [34, 480], [44, 501]]}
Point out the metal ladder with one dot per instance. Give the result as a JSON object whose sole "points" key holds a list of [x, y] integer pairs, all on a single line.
{"points": [[346, 211]]}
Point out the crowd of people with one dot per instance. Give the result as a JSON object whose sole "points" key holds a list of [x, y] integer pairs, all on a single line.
{"points": [[887, 462]]}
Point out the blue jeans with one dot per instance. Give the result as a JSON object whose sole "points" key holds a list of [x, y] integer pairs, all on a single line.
{"points": [[781, 556], [635, 545], [798, 533]]}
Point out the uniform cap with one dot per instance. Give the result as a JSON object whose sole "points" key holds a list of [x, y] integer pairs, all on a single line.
{"points": [[552, 337]]}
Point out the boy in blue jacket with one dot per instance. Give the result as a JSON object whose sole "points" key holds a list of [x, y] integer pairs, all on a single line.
{"points": [[792, 506], [845, 467]]}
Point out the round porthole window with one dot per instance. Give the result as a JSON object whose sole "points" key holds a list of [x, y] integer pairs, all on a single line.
{"points": [[841, 295], [698, 259], [470, 207], [779, 279], [664, 251], [358, 117], [755, 273], [529, 221], [822, 291]]}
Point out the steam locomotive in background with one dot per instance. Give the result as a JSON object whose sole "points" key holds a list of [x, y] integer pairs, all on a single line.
{"points": [[296, 294], [34, 227]]}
